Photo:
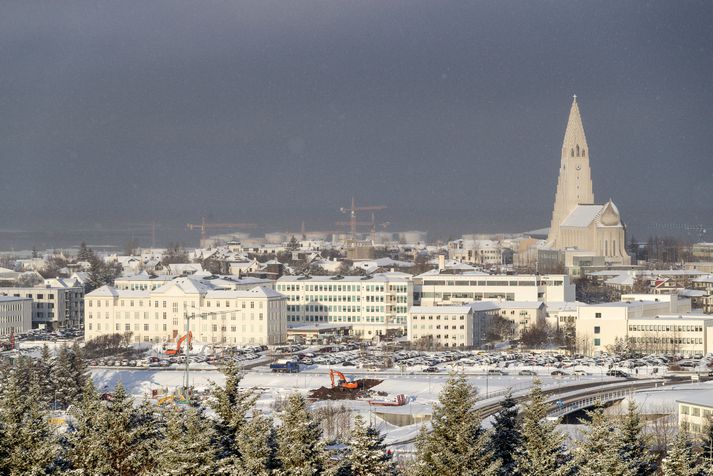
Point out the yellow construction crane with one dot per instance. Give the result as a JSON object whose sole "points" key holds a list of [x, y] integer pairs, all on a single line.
{"points": [[352, 212], [203, 226]]}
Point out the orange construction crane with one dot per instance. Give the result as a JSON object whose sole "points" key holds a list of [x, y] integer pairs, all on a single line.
{"points": [[352, 212], [343, 381], [179, 343], [203, 226]]}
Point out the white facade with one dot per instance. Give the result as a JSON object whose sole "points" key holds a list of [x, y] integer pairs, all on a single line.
{"points": [[255, 316], [371, 304], [53, 307], [450, 326], [441, 289], [524, 314], [648, 326], [15, 315]]}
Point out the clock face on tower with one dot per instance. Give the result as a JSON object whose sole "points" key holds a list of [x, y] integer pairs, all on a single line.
{"points": [[579, 167]]}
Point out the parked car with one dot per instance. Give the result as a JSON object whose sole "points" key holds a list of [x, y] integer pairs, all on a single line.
{"points": [[527, 372], [617, 373], [580, 372], [496, 372], [558, 373], [431, 369]]}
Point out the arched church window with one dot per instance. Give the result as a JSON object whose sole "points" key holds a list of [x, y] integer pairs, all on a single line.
{"points": [[572, 153], [606, 250], [583, 152], [613, 247], [578, 151]]}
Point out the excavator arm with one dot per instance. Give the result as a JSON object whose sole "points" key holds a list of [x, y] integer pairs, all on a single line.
{"points": [[179, 343]]}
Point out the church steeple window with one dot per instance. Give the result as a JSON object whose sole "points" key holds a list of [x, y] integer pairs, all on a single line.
{"points": [[572, 152], [577, 150], [583, 153]]}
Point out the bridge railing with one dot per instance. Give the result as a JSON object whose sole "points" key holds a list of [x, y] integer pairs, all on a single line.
{"points": [[588, 401]]}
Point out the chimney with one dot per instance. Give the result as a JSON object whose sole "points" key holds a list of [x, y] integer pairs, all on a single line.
{"points": [[441, 263]]}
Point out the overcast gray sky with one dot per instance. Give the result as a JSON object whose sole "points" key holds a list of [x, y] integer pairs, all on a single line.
{"points": [[450, 113]]}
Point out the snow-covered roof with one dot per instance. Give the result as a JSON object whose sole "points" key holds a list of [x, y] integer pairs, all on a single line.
{"points": [[520, 304], [582, 216], [378, 277]]}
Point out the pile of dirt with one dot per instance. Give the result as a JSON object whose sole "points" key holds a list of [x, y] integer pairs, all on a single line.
{"points": [[336, 393]]}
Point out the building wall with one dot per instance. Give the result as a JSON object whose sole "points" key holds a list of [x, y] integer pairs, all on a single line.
{"points": [[372, 306], [694, 416], [450, 289], [524, 317], [52, 307], [236, 317], [15, 315]]}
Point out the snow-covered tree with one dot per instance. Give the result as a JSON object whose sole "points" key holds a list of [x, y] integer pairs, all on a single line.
{"points": [[680, 459], [457, 444], [79, 370], [601, 450], [300, 449], [28, 443], [634, 444], [506, 435], [44, 369], [231, 403], [257, 446], [63, 379], [367, 453], [112, 438], [542, 451], [188, 446]]}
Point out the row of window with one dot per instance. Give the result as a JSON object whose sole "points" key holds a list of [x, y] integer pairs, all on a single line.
{"points": [[340, 287], [667, 340], [666, 328]]}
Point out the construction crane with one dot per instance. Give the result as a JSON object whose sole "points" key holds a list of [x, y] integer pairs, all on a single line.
{"points": [[203, 226], [352, 212]]}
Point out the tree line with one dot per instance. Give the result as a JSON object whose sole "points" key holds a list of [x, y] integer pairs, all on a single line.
{"points": [[112, 434]]}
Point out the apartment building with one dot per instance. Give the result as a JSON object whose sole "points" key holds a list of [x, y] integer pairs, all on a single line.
{"points": [[451, 326], [704, 284], [53, 306], [436, 288], [215, 315], [15, 315], [374, 305]]}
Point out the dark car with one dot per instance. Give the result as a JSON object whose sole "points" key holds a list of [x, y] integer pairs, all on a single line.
{"points": [[431, 369], [558, 372], [527, 372], [617, 373]]}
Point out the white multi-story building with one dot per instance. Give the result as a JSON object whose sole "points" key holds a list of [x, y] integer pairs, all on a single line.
{"points": [[216, 315], [523, 314], [53, 307], [15, 315], [451, 326], [442, 289], [373, 304], [644, 321], [145, 282], [474, 251]]}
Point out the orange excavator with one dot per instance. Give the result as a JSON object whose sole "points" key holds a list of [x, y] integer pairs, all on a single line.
{"points": [[179, 343], [342, 381]]}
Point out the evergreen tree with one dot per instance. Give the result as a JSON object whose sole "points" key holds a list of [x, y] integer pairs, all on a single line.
{"points": [[232, 405], [44, 370], [84, 253], [189, 445], [257, 445], [634, 446], [367, 453], [28, 443], [79, 371], [300, 449], [680, 459], [707, 441], [113, 438], [507, 434], [63, 380], [542, 450], [601, 450], [457, 444]]}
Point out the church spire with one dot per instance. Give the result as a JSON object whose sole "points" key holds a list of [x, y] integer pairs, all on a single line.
{"points": [[575, 142]]}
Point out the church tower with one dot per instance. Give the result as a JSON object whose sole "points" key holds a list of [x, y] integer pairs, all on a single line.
{"points": [[574, 185]]}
